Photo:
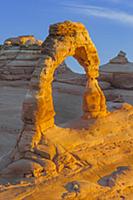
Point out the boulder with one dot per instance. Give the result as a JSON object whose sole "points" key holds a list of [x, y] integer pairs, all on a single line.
{"points": [[22, 168]]}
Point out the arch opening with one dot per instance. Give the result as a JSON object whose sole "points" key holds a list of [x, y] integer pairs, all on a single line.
{"points": [[74, 65], [67, 89]]}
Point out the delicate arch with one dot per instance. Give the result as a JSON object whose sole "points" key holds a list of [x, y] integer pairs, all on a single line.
{"points": [[68, 39], [64, 39]]}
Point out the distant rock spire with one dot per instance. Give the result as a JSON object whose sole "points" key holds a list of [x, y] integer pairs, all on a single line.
{"points": [[120, 58]]}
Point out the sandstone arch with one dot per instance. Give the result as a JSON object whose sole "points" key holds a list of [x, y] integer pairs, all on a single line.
{"points": [[64, 39], [69, 39]]}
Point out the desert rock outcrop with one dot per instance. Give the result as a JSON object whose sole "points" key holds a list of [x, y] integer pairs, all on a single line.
{"points": [[119, 72], [64, 39], [26, 40], [86, 158], [119, 59], [18, 58]]}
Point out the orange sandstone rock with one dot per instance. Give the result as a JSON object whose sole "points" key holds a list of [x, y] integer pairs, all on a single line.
{"points": [[64, 39]]}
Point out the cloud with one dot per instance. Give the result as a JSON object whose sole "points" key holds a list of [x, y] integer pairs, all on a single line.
{"points": [[127, 3], [101, 12], [124, 2]]}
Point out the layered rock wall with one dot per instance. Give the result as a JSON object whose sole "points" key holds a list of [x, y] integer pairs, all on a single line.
{"points": [[119, 72], [18, 58], [17, 63]]}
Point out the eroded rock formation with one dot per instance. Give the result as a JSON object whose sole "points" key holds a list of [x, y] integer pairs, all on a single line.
{"points": [[25, 40], [120, 59], [34, 154], [19, 57], [118, 71]]}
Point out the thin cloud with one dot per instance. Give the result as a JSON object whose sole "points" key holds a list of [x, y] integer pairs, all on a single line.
{"points": [[119, 1], [102, 12], [127, 3]]}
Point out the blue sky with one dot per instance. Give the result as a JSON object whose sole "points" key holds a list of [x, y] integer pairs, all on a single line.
{"points": [[110, 22]]}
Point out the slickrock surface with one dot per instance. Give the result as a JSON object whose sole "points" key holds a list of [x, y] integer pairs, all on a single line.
{"points": [[11, 98], [95, 162]]}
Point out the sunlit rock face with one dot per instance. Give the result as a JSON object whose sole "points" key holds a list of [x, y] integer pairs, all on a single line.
{"points": [[17, 63], [25, 40], [64, 39]]}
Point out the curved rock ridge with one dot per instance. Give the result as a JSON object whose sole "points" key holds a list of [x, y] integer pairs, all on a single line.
{"points": [[35, 154]]}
